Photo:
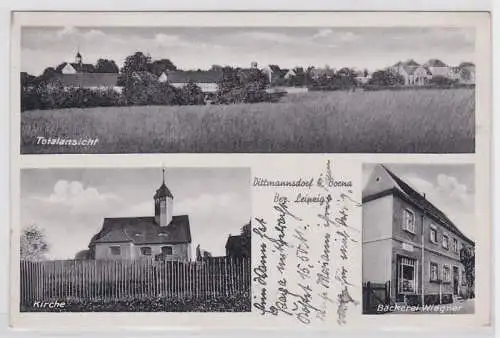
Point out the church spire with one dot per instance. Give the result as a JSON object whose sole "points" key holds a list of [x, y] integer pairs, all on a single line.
{"points": [[78, 56], [163, 191], [163, 203]]}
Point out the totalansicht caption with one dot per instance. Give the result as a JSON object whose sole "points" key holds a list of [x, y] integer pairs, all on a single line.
{"points": [[59, 141]]}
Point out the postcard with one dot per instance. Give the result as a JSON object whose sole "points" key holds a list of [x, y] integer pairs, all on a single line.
{"points": [[183, 170]]}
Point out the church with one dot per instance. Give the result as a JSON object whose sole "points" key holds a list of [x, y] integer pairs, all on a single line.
{"points": [[78, 74], [159, 237]]}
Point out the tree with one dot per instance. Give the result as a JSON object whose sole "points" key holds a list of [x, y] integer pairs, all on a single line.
{"points": [[106, 66], [386, 78], [468, 260], [47, 75], [246, 239], [34, 244], [27, 79], [191, 94], [137, 62], [159, 66]]}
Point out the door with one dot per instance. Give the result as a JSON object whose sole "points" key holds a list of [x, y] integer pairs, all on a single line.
{"points": [[455, 280]]}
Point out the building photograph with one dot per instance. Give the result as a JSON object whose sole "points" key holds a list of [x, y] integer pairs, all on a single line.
{"points": [[147, 239], [418, 238], [247, 89]]}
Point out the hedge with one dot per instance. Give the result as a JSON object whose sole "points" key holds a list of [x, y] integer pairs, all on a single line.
{"points": [[236, 303]]}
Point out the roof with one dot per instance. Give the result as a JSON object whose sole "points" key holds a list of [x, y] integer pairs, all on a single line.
{"points": [[143, 230], [409, 62], [435, 63], [467, 64], [196, 76], [233, 241], [163, 191], [79, 67], [396, 184], [87, 79]]}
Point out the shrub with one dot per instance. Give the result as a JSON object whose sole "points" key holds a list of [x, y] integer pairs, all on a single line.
{"points": [[442, 81], [239, 302], [55, 97], [191, 95]]}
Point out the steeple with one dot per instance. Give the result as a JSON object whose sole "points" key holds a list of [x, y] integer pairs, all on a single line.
{"points": [[163, 199], [78, 57]]}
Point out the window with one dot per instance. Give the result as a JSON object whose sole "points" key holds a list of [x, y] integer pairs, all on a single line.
{"points": [[115, 250], [433, 234], [408, 220], [146, 251], [434, 272], [407, 275], [166, 250], [445, 242], [464, 277], [455, 245], [446, 273]]}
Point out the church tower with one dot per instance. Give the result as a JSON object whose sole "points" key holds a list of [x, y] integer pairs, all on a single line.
{"points": [[163, 204], [78, 58]]}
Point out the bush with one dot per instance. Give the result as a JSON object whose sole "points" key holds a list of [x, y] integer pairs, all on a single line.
{"points": [[142, 88], [191, 95], [442, 82], [239, 302], [55, 97]]}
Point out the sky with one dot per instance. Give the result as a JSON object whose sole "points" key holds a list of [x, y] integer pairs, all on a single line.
{"points": [[70, 204], [193, 48], [450, 188]]}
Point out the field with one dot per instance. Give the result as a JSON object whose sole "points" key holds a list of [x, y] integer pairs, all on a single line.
{"points": [[409, 121]]}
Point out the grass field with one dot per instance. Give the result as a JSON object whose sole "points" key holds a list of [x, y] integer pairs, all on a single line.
{"points": [[410, 121]]}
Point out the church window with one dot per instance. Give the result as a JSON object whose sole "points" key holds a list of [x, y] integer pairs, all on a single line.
{"points": [[146, 251], [166, 250]]}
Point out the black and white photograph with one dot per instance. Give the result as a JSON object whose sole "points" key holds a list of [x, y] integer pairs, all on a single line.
{"points": [[418, 244], [135, 239], [108, 90]]}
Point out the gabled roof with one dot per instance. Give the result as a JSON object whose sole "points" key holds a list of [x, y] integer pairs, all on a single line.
{"points": [[87, 80], [412, 62], [466, 64], [406, 64], [435, 63], [79, 67], [202, 76], [384, 182], [143, 230]]}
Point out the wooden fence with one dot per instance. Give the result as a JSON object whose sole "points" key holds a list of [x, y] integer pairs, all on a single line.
{"points": [[118, 280], [375, 294]]}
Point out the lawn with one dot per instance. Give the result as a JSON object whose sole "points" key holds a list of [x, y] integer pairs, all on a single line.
{"points": [[408, 121]]}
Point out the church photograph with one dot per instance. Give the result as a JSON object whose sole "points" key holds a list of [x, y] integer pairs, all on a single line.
{"points": [[150, 239]]}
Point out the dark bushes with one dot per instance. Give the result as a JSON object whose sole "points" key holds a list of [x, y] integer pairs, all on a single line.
{"points": [[234, 303], [45, 97], [137, 93]]}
